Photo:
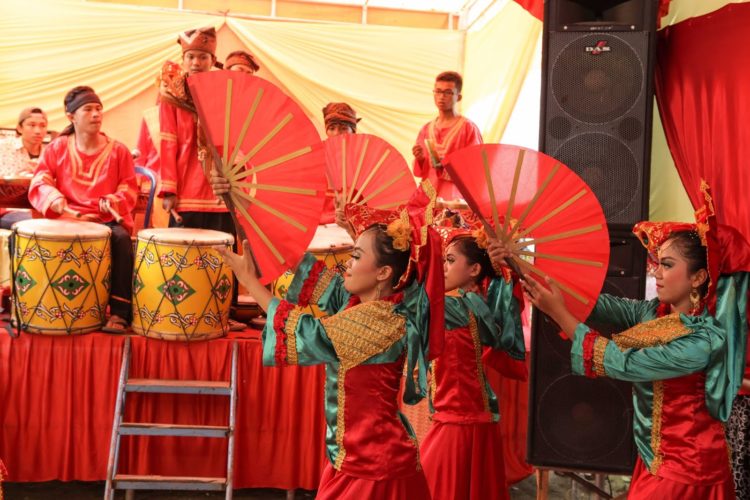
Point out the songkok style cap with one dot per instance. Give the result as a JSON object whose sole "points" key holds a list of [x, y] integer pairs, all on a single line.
{"points": [[340, 112], [203, 39], [241, 57]]}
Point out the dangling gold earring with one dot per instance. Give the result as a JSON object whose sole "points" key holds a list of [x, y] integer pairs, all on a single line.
{"points": [[695, 302], [380, 289]]}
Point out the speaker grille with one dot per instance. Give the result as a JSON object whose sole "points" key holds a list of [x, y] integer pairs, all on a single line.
{"points": [[597, 115], [610, 168], [596, 78]]}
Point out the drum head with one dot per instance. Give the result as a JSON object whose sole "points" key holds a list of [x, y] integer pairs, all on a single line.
{"points": [[186, 236], [330, 236], [61, 229]]}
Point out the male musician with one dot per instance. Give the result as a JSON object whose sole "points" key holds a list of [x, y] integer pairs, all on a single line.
{"points": [[239, 60], [448, 132], [19, 155], [86, 175], [183, 149]]}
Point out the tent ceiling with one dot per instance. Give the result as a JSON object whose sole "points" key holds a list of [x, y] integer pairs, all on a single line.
{"points": [[436, 14]]}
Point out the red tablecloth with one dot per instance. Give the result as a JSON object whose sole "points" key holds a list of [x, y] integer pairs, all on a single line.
{"points": [[57, 399]]}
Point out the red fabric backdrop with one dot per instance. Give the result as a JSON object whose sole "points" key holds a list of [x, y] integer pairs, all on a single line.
{"points": [[57, 398], [703, 92]]}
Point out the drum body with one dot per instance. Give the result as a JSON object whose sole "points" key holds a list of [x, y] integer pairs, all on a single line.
{"points": [[331, 244], [61, 275], [182, 289]]}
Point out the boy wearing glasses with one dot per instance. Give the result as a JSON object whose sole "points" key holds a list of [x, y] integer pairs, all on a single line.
{"points": [[443, 135]]}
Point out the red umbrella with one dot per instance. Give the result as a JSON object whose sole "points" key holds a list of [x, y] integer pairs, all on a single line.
{"points": [[274, 161], [547, 213], [368, 170]]}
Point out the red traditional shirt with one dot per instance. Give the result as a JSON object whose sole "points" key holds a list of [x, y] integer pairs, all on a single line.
{"points": [[444, 140], [180, 168], [83, 179]]}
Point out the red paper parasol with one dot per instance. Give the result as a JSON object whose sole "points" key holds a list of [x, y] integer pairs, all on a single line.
{"points": [[368, 170], [274, 161], [551, 217]]}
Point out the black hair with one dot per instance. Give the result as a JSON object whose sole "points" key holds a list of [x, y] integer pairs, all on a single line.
{"points": [[451, 76], [69, 98], [386, 255], [689, 245], [475, 255]]}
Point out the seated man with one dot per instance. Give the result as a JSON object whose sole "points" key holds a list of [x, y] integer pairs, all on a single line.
{"points": [[83, 173], [20, 155]]}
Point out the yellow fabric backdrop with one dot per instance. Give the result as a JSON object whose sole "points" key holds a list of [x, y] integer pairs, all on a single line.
{"points": [[498, 58], [385, 73], [49, 47]]}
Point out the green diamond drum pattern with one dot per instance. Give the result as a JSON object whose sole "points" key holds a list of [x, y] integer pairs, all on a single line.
{"points": [[70, 285], [24, 281], [176, 289], [223, 288]]}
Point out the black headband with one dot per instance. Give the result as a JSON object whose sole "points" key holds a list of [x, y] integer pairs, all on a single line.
{"points": [[86, 97]]}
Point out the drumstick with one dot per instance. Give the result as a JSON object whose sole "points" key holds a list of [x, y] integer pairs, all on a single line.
{"points": [[70, 211], [176, 215], [118, 218]]}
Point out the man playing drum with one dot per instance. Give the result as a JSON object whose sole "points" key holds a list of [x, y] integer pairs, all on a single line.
{"points": [[86, 175]]}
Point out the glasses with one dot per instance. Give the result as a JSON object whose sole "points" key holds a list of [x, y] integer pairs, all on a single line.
{"points": [[446, 92]]}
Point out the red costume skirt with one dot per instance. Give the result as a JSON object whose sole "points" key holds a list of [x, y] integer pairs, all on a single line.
{"points": [[335, 485], [645, 485], [464, 462]]}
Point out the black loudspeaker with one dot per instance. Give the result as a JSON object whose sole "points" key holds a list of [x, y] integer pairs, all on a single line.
{"points": [[597, 96], [577, 423]]}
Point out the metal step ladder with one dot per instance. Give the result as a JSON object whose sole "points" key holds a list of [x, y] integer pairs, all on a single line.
{"points": [[131, 482]]}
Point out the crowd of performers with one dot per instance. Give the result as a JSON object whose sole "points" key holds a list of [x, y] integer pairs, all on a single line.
{"points": [[426, 294]]}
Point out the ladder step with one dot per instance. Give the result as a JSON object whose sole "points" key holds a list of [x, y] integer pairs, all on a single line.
{"points": [[135, 482], [147, 429], [167, 386]]}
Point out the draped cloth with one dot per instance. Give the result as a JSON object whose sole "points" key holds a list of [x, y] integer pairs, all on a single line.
{"points": [[57, 400], [703, 96]]}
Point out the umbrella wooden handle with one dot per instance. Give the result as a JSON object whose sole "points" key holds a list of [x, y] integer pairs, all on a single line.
{"points": [[240, 231]]}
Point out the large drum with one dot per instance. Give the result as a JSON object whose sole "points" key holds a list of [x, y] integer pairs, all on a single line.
{"points": [[182, 289], [61, 275], [331, 244]]}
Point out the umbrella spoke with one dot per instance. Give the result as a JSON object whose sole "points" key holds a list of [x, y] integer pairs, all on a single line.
{"points": [[273, 187], [561, 258], [243, 132], [513, 190], [343, 165], [563, 286], [273, 163], [227, 122], [533, 201], [281, 215], [359, 168], [371, 175], [264, 141], [552, 237], [383, 186], [552, 213], [260, 233], [491, 193]]}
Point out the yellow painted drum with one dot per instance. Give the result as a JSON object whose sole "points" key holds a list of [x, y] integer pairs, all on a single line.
{"points": [[182, 289], [331, 244], [61, 275]]}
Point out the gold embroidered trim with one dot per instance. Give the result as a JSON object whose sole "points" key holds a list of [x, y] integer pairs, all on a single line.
{"points": [[656, 426], [362, 331], [442, 146], [478, 353], [340, 418], [414, 441], [80, 174], [325, 278], [600, 346], [659, 331], [166, 136], [290, 328]]}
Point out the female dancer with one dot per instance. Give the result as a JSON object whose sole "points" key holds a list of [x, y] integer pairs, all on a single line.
{"points": [[685, 364], [380, 321], [462, 453]]}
